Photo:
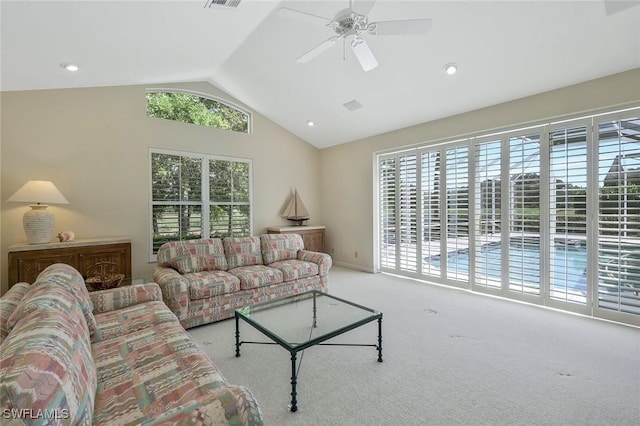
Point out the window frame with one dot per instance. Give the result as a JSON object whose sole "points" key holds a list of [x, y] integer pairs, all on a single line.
{"points": [[205, 201], [204, 96]]}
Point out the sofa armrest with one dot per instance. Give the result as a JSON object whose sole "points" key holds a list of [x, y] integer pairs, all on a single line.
{"points": [[323, 260], [118, 298], [175, 290], [231, 404]]}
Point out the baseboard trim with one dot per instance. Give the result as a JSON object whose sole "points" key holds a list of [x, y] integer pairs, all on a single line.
{"points": [[351, 266]]}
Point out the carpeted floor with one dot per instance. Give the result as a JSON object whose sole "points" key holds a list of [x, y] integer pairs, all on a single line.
{"points": [[450, 357]]}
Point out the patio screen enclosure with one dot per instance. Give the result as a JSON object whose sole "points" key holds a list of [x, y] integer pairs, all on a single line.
{"points": [[548, 214]]}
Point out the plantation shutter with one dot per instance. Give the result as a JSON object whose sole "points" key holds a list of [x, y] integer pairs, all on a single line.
{"points": [[524, 214], [556, 214], [619, 215], [568, 215], [229, 196], [488, 214], [176, 198], [457, 208], [387, 209], [431, 223], [197, 196], [408, 223]]}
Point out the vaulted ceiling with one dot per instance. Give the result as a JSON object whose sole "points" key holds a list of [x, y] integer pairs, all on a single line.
{"points": [[504, 49]]}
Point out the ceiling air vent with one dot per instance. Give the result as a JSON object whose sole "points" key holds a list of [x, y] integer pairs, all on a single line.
{"points": [[352, 105], [222, 4]]}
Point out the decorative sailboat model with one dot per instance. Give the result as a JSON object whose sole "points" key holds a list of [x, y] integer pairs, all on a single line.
{"points": [[296, 212]]}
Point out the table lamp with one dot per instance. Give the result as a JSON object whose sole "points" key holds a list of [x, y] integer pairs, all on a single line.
{"points": [[38, 222]]}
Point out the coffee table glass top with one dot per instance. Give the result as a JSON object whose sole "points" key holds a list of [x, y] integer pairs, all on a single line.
{"points": [[290, 321]]}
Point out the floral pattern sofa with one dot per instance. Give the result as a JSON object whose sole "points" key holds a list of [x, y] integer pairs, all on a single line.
{"points": [[206, 280], [111, 357]]}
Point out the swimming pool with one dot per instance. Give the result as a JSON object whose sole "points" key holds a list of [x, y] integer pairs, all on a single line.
{"points": [[568, 266]]}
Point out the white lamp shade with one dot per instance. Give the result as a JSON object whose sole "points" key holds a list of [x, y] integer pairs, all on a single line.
{"points": [[40, 192], [38, 222]]}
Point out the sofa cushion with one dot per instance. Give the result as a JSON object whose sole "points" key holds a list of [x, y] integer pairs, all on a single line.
{"points": [[8, 303], [124, 296], [256, 276], [48, 350], [115, 324], [203, 285], [149, 374], [193, 255], [277, 247], [64, 275], [294, 269], [243, 251]]}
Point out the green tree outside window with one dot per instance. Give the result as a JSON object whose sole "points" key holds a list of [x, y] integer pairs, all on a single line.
{"points": [[194, 109]]}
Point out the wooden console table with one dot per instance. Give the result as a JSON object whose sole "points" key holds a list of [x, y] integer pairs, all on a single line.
{"points": [[91, 257], [313, 236]]}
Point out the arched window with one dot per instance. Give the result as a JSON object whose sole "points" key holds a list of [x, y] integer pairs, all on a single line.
{"points": [[194, 108]]}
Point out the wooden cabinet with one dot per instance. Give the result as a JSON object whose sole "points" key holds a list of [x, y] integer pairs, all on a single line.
{"points": [[90, 257], [313, 236]]}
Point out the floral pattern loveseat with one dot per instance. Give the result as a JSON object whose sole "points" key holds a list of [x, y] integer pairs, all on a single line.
{"points": [[110, 357], [206, 280]]}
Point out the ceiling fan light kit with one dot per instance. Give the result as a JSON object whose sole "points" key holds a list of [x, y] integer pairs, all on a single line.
{"points": [[350, 25]]}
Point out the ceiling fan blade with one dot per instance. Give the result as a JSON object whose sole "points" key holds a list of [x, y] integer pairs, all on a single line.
{"points": [[363, 7], [325, 45], [297, 14], [406, 27], [364, 54]]}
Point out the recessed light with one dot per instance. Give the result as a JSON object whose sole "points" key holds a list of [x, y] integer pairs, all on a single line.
{"points": [[451, 69], [70, 67], [310, 123]]}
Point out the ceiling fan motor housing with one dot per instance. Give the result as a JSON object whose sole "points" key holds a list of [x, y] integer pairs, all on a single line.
{"points": [[348, 22]]}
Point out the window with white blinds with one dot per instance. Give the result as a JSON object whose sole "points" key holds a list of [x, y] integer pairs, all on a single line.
{"points": [[229, 198], [568, 214], [198, 196], [488, 214], [176, 198], [388, 190], [408, 215], [619, 215], [524, 214], [457, 207], [431, 223], [549, 214]]}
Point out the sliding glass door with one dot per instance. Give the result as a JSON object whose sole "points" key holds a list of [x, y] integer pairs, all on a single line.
{"points": [[619, 215], [568, 190], [548, 215]]}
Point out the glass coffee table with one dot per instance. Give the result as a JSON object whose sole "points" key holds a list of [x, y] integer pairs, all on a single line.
{"points": [[304, 320]]}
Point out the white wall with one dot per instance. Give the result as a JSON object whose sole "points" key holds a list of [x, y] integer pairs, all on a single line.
{"points": [[347, 170], [93, 144]]}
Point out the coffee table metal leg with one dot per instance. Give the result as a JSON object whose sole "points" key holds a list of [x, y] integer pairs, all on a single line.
{"points": [[315, 320], [237, 336], [294, 402], [380, 339]]}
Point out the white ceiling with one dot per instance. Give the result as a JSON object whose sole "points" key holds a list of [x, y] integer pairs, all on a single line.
{"points": [[505, 49]]}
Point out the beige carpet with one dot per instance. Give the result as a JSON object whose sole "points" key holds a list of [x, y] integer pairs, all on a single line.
{"points": [[450, 357]]}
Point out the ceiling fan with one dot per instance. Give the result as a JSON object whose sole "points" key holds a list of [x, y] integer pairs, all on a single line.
{"points": [[351, 24]]}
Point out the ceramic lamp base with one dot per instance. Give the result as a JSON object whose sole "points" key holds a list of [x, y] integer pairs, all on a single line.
{"points": [[38, 224]]}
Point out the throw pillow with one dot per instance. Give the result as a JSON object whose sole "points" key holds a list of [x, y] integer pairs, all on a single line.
{"points": [[242, 251]]}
